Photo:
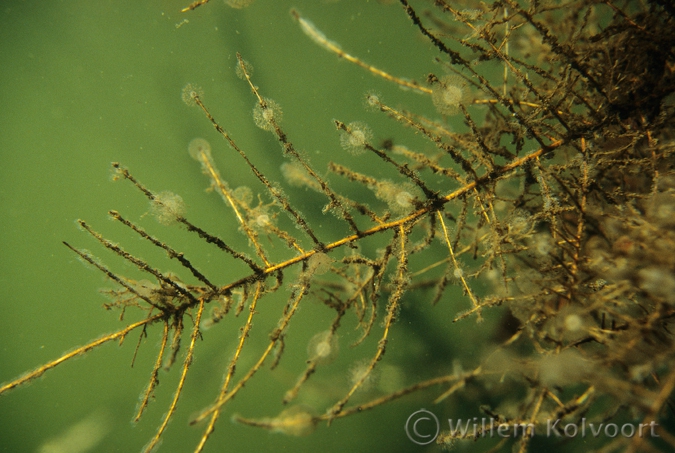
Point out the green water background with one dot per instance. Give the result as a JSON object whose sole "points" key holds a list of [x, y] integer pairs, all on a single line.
{"points": [[84, 84]]}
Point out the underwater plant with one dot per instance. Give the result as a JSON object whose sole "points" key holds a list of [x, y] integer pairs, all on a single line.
{"points": [[495, 247]]}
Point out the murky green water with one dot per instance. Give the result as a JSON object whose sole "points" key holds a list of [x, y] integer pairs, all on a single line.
{"points": [[84, 84]]}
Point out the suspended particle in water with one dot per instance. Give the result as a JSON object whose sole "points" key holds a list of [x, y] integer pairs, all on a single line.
{"points": [[264, 117], [392, 378], [448, 93], [355, 139], [167, 207], [81, 437], [190, 93], [238, 4], [199, 148], [568, 366], [323, 347]]}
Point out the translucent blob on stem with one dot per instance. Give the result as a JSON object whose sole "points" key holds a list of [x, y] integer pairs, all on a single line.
{"points": [[319, 263], [199, 148], [448, 93], [243, 195], [241, 73], [399, 197], [190, 93], [295, 421], [323, 347], [362, 372], [297, 176], [404, 199], [261, 218], [264, 117], [354, 140], [167, 207], [373, 100]]}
